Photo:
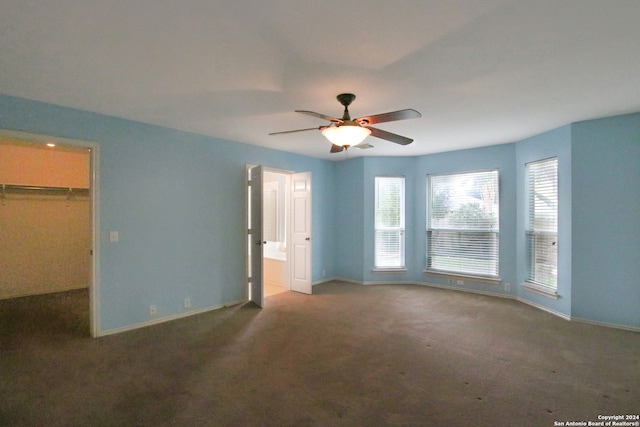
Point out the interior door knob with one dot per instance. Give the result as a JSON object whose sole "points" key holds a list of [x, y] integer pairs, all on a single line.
{"points": [[308, 238]]}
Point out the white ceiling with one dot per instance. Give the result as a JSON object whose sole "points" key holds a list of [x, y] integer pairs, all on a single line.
{"points": [[481, 72]]}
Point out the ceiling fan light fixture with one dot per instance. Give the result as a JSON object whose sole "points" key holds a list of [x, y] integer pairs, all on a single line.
{"points": [[346, 135], [347, 132]]}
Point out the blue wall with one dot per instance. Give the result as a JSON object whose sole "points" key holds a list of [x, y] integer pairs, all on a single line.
{"points": [[348, 230], [177, 200], [606, 220], [356, 197], [501, 157]]}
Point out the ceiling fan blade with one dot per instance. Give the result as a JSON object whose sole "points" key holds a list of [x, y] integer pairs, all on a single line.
{"points": [[408, 113], [336, 148], [383, 134], [297, 130], [321, 116]]}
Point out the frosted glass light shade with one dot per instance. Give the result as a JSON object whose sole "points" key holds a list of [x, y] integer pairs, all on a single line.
{"points": [[346, 135]]}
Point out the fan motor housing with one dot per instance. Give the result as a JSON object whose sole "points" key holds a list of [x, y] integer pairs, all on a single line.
{"points": [[346, 98]]}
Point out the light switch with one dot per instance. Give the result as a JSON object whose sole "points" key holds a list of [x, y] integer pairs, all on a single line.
{"points": [[114, 236]]}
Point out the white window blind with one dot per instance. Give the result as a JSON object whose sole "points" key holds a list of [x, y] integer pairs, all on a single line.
{"points": [[463, 223], [389, 222], [542, 222]]}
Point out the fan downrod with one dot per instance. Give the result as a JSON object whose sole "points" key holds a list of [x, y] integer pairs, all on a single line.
{"points": [[346, 99]]}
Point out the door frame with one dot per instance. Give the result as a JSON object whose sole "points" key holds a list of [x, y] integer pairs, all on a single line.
{"points": [[288, 213], [94, 185]]}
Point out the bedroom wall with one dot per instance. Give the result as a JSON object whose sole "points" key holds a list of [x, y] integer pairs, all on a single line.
{"points": [[45, 239], [33, 165], [598, 216], [501, 157], [177, 200], [349, 228], [606, 220], [355, 203]]}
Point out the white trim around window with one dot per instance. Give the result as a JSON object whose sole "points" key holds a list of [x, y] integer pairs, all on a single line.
{"points": [[389, 247]]}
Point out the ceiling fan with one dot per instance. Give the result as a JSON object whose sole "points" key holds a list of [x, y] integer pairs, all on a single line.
{"points": [[346, 132]]}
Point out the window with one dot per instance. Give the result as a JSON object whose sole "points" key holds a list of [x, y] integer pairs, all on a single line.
{"points": [[389, 220], [463, 223], [542, 223]]}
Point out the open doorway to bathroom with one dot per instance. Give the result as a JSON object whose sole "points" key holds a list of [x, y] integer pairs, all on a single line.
{"points": [[268, 237], [274, 209], [279, 232]]}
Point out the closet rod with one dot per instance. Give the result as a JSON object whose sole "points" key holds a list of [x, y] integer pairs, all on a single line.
{"points": [[16, 187]]}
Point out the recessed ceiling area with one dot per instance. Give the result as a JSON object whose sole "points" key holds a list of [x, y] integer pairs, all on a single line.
{"points": [[481, 72]]}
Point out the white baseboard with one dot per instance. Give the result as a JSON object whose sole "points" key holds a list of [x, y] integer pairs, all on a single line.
{"points": [[543, 308], [606, 324], [494, 294], [331, 279], [165, 319], [459, 289], [232, 303], [387, 282], [427, 284]]}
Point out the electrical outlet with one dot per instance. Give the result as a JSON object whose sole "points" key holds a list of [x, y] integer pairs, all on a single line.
{"points": [[187, 303], [460, 282], [507, 286], [153, 310], [451, 281]]}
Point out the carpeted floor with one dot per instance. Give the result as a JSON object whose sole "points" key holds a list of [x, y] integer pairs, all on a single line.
{"points": [[349, 355]]}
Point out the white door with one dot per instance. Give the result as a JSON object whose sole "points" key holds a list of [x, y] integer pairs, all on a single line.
{"points": [[256, 240], [301, 232]]}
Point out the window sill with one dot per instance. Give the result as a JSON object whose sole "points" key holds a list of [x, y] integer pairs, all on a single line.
{"points": [[492, 280], [541, 290], [390, 270]]}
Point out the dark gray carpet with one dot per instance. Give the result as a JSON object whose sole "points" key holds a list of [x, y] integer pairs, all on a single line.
{"points": [[349, 355]]}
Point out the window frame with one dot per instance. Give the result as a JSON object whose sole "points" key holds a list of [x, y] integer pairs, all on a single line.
{"points": [[493, 231], [532, 232], [401, 264]]}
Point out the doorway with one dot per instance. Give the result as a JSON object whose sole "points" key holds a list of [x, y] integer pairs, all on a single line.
{"points": [[279, 232], [275, 194], [47, 191]]}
